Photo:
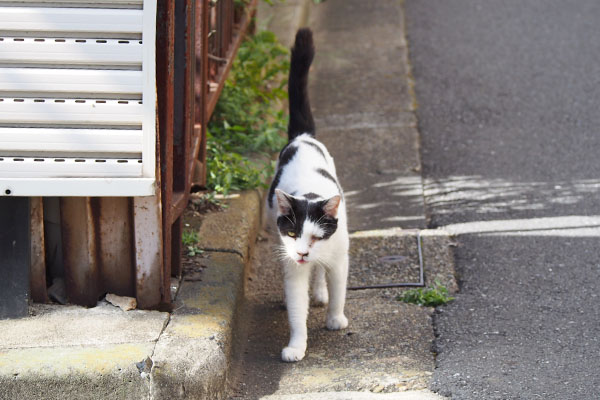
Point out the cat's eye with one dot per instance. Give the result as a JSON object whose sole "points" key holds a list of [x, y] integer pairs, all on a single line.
{"points": [[291, 234], [315, 238]]}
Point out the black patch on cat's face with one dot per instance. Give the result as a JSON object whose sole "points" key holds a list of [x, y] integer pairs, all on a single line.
{"points": [[286, 155], [326, 222], [300, 211]]}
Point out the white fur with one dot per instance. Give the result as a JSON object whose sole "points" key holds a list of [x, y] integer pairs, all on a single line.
{"points": [[328, 258]]}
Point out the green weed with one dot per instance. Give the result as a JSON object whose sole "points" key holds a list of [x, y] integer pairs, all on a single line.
{"points": [[189, 240], [430, 297], [246, 120]]}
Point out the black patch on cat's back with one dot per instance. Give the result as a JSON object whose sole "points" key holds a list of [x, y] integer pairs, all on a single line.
{"points": [[327, 175], [286, 155], [316, 147]]}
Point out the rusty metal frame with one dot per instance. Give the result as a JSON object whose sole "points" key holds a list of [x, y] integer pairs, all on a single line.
{"points": [[223, 28], [132, 246]]}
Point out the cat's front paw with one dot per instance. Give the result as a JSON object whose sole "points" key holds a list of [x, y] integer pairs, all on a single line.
{"points": [[337, 322], [292, 354]]}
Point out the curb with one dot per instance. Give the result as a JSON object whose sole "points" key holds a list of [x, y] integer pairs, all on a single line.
{"points": [[193, 355]]}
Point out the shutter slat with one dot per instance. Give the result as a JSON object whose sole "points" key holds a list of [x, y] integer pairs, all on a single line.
{"points": [[30, 167], [86, 53], [36, 82], [77, 3], [88, 186], [70, 113], [61, 141], [34, 21]]}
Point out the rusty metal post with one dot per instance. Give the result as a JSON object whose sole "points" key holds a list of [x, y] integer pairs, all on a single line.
{"points": [[37, 278], [150, 278], [116, 244], [148, 246], [189, 91], [165, 86], [180, 81], [183, 151], [82, 277], [200, 91]]}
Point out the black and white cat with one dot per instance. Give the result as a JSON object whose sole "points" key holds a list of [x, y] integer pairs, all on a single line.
{"points": [[307, 205]]}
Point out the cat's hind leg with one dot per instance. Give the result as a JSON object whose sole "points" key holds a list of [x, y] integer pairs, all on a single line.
{"points": [[296, 285], [320, 293], [336, 281]]}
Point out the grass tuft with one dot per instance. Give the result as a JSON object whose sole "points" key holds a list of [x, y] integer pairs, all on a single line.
{"points": [[430, 297], [189, 240]]}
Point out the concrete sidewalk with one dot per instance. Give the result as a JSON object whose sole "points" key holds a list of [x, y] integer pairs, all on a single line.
{"points": [[68, 352], [363, 106]]}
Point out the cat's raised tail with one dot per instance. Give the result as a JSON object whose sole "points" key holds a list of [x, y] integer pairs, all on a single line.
{"points": [[301, 119]]}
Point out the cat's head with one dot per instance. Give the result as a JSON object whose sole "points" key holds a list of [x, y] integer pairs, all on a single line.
{"points": [[305, 224]]}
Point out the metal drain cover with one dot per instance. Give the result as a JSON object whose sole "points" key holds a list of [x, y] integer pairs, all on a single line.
{"points": [[384, 261]]}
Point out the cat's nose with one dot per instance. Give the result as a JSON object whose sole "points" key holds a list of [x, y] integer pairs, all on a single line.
{"points": [[302, 254]]}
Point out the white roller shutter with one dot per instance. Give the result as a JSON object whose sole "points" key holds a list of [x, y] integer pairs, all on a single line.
{"points": [[77, 97]]}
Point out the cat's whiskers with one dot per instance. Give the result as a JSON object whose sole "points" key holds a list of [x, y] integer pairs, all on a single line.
{"points": [[281, 252]]}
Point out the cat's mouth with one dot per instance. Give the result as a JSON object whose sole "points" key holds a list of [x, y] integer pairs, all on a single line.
{"points": [[302, 261]]}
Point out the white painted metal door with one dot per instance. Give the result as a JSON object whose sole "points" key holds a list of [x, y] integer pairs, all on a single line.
{"points": [[77, 97]]}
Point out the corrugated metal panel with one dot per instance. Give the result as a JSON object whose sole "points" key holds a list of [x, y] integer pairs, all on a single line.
{"points": [[77, 98]]}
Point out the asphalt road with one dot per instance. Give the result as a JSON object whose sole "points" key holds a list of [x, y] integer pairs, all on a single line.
{"points": [[508, 96]]}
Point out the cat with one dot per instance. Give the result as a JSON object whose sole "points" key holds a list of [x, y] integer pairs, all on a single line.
{"points": [[306, 204]]}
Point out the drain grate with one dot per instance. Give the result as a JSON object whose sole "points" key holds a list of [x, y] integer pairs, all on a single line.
{"points": [[378, 262]]}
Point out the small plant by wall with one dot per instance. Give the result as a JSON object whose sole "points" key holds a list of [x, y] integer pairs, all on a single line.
{"points": [[248, 125]]}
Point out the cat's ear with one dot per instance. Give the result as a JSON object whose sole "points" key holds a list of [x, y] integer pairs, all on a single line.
{"points": [[284, 201], [330, 207]]}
